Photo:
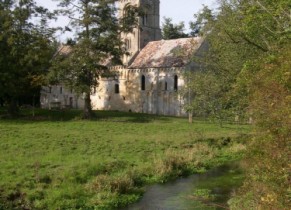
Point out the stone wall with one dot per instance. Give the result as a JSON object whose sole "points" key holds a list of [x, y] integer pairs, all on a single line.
{"points": [[158, 97], [57, 96]]}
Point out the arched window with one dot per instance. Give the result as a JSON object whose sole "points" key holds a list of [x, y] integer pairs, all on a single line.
{"points": [[166, 86], [144, 19], [127, 44], [175, 83], [142, 82], [117, 88]]}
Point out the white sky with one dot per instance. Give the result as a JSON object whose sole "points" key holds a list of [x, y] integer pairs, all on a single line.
{"points": [[182, 10], [178, 10]]}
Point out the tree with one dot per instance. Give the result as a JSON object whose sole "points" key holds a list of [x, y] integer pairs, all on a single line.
{"points": [[202, 23], [98, 40], [238, 34], [25, 47], [268, 158], [173, 31], [249, 51], [205, 95]]}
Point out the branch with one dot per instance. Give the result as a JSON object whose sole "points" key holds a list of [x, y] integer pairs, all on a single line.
{"points": [[271, 32], [72, 18], [75, 5], [232, 39], [264, 8], [254, 44]]}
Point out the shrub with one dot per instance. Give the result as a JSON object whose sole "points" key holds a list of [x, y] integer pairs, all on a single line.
{"points": [[119, 184]]}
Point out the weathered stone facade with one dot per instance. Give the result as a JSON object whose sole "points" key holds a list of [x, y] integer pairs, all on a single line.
{"points": [[148, 27], [150, 90], [58, 96], [150, 79]]}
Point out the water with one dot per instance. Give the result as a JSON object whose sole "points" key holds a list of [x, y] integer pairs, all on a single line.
{"points": [[185, 193]]}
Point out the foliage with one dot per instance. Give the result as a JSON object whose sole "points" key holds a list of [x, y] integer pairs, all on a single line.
{"points": [[249, 51], [238, 34], [109, 162], [172, 31], [202, 23], [207, 96], [269, 179], [98, 42], [26, 47]]}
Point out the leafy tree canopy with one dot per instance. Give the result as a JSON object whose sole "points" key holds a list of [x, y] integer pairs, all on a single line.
{"points": [[26, 46], [173, 31], [98, 41], [248, 60]]}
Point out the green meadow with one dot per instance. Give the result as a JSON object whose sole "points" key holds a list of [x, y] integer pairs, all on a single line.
{"points": [[57, 161]]}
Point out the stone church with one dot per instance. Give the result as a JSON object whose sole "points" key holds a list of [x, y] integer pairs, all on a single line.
{"points": [[152, 74]]}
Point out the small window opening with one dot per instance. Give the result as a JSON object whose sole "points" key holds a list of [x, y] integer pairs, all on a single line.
{"points": [[166, 86], [175, 83], [127, 44], [144, 19], [61, 90], [142, 82], [116, 88]]}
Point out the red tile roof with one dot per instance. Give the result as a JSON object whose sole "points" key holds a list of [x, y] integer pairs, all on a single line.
{"points": [[166, 53], [64, 50]]}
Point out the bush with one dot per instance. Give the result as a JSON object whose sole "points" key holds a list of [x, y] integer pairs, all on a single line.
{"points": [[267, 184]]}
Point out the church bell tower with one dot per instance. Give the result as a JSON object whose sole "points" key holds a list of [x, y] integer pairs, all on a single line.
{"points": [[147, 29]]}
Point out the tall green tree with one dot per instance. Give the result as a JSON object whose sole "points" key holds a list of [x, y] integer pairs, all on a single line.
{"points": [[249, 50], [205, 95], [173, 31], [202, 23], [25, 49], [98, 41], [267, 183], [240, 32]]}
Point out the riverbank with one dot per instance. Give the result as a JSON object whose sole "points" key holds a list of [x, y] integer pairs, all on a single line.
{"points": [[208, 191], [55, 161]]}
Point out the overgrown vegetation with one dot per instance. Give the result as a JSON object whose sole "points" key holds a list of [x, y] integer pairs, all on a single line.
{"points": [[248, 61], [26, 48], [268, 180], [173, 31], [98, 41], [55, 161]]}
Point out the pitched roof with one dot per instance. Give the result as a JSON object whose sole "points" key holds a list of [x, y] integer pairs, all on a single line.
{"points": [[64, 50], [167, 53]]}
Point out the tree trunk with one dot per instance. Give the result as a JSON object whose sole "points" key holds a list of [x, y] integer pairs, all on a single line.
{"points": [[87, 112], [33, 106], [13, 109], [1, 102], [190, 116]]}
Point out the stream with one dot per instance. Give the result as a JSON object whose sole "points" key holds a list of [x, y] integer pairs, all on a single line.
{"points": [[207, 191]]}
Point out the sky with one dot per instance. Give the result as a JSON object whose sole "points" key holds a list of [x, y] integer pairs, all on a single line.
{"points": [[182, 10], [178, 10]]}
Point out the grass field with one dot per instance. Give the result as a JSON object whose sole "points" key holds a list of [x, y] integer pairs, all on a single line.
{"points": [[56, 161]]}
